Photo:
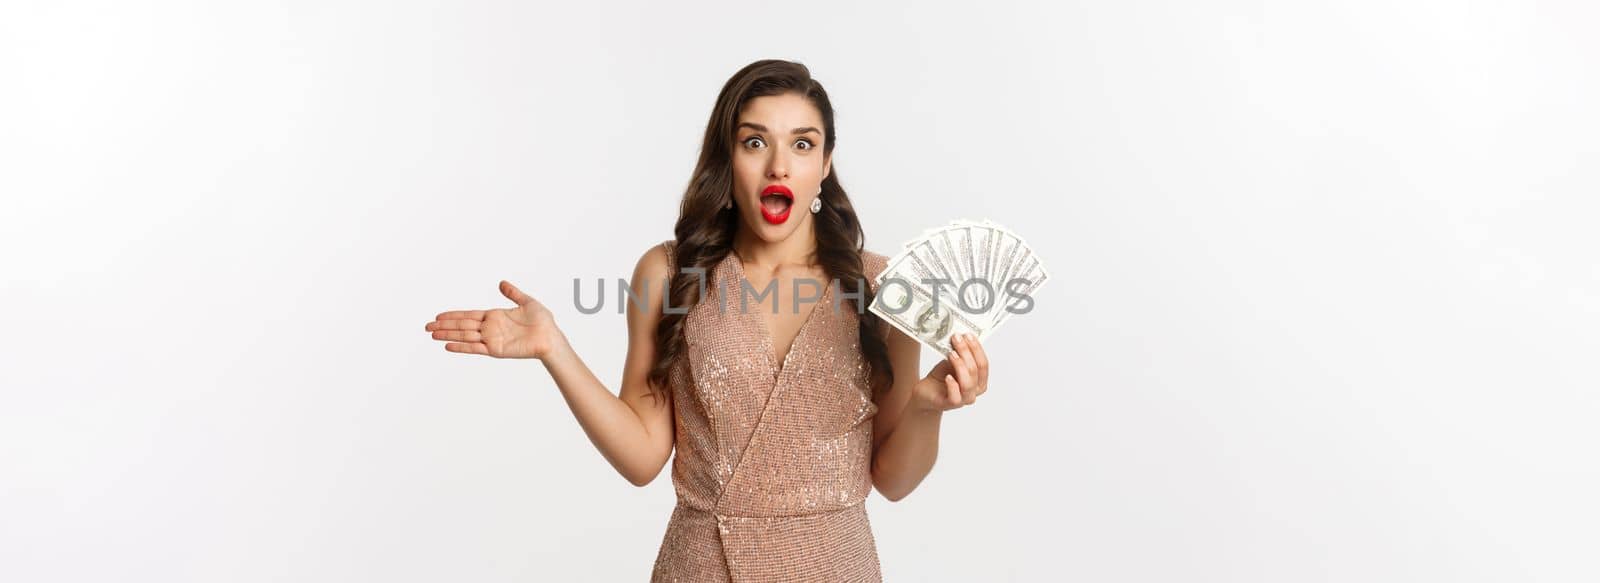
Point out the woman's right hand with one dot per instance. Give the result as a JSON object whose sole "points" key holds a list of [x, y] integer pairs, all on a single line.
{"points": [[526, 331]]}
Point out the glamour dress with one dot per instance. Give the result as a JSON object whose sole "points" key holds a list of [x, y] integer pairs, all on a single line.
{"points": [[772, 464]]}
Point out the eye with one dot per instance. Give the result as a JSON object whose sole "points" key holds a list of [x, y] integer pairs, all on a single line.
{"points": [[807, 142], [756, 139]]}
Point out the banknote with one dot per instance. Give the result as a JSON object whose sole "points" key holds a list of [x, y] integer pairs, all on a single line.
{"points": [[963, 277]]}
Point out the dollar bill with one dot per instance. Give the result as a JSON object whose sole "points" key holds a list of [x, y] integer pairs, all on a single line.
{"points": [[962, 277], [911, 306]]}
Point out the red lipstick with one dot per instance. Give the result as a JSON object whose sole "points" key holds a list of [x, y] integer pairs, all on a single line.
{"points": [[776, 202]]}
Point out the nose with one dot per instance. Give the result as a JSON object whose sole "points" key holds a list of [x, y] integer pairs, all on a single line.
{"points": [[777, 165]]}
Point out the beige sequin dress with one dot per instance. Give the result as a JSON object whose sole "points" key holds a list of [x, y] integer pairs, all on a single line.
{"points": [[772, 460]]}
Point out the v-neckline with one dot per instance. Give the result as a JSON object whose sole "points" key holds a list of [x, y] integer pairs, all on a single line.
{"points": [[768, 345]]}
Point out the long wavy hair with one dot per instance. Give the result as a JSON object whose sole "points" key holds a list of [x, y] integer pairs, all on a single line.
{"points": [[705, 229]]}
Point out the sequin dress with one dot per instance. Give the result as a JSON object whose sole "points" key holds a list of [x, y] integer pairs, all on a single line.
{"points": [[772, 461]]}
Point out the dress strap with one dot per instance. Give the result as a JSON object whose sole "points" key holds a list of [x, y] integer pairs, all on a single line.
{"points": [[668, 245]]}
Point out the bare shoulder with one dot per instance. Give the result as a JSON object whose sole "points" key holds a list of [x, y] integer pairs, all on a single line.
{"points": [[650, 275], [656, 262]]}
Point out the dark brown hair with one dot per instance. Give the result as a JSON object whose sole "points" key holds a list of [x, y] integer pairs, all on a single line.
{"points": [[705, 229]]}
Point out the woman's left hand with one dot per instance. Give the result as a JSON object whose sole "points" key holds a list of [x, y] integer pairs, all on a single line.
{"points": [[956, 381]]}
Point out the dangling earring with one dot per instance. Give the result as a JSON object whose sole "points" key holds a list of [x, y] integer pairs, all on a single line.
{"points": [[816, 204]]}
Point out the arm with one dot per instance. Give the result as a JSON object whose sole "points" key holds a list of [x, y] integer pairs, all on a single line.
{"points": [[634, 431], [905, 441], [906, 428]]}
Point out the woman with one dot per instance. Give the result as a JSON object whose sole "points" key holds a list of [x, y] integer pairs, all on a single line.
{"points": [[783, 420]]}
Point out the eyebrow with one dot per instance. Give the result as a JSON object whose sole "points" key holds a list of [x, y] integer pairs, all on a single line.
{"points": [[762, 128]]}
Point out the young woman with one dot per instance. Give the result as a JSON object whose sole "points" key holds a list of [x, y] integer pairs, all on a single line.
{"points": [[783, 420]]}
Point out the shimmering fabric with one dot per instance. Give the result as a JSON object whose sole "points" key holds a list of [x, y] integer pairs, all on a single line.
{"points": [[772, 461]]}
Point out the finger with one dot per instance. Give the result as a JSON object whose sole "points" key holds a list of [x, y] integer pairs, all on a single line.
{"points": [[454, 325], [952, 390], [979, 357], [939, 369], [972, 381], [460, 315], [979, 362], [467, 347], [964, 373], [964, 346], [458, 335], [512, 293]]}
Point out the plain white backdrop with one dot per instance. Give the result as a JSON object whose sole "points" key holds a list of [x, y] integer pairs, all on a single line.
{"points": [[1325, 301]]}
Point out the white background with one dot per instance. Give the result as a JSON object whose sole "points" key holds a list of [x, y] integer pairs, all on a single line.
{"points": [[1324, 305]]}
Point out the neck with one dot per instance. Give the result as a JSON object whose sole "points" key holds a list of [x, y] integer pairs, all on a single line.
{"points": [[799, 249]]}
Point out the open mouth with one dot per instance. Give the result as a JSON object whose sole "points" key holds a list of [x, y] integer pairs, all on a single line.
{"points": [[776, 201]]}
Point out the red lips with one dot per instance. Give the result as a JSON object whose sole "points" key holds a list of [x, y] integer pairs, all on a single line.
{"points": [[776, 201]]}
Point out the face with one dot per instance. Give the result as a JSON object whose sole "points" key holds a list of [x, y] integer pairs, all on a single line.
{"points": [[777, 149]]}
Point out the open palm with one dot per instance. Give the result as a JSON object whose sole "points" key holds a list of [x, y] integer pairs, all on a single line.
{"points": [[526, 331]]}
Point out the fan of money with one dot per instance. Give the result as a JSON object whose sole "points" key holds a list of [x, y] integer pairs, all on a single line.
{"points": [[964, 277]]}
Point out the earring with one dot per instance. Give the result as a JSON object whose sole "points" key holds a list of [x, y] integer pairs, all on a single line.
{"points": [[816, 205]]}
